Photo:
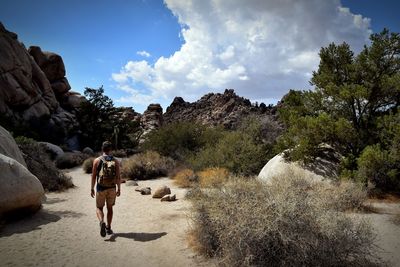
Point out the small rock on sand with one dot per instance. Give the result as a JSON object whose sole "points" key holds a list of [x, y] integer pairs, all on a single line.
{"points": [[162, 191], [168, 198]]}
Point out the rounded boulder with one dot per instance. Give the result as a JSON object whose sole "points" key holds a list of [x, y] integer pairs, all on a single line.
{"points": [[19, 189], [9, 148]]}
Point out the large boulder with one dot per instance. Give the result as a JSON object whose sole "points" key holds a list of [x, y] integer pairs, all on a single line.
{"points": [[19, 188], [52, 149], [31, 83], [51, 63], [9, 148], [24, 89], [323, 168]]}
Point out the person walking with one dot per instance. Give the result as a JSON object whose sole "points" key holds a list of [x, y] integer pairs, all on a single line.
{"points": [[106, 177]]}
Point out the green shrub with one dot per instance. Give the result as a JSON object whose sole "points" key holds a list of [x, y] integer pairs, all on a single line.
{"points": [[178, 140], [286, 223], [146, 165], [40, 165], [70, 160], [87, 165], [235, 151], [375, 165]]}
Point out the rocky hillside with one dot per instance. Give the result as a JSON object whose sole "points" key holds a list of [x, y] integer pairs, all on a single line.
{"points": [[227, 109], [34, 92]]}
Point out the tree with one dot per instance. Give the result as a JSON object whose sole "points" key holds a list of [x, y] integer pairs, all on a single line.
{"points": [[96, 118], [352, 94]]}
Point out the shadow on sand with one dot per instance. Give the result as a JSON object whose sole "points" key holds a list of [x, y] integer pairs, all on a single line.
{"points": [[140, 237], [22, 222]]}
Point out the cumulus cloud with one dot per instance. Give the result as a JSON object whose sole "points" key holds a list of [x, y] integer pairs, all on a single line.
{"points": [[260, 48], [143, 53]]}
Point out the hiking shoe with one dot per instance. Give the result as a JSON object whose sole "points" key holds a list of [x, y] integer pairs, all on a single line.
{"points": [[103, 229], [109, 231]]}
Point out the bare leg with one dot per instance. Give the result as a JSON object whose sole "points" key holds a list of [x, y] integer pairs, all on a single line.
{"points": [[109, 215], [100, 214]]}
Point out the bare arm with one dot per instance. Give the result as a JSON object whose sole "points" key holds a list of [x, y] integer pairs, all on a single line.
{"points": [[118, 172], [94, 173]]}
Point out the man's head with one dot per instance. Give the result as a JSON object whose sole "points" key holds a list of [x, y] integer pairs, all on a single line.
{"points": [[106, 147]]}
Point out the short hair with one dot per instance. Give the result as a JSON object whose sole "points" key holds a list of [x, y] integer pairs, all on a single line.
{"points": [[106, 146]]}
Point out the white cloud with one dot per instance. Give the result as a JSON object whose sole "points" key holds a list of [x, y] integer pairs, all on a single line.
{"points": [[143, 53], [260, 48]]}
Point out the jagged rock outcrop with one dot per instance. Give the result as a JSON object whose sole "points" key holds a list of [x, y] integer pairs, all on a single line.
{"points": [[152, 118], [129, 114], [227, 109], [34, 90]]}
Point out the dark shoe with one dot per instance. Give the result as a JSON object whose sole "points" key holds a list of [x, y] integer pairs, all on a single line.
{"points": [[109, 231], [103, 229]]}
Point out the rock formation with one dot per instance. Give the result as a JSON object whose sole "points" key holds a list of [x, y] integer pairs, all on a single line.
{"points": [[322, 168], [9, 148], [34, 91], [19, 189], [227, 109], [152, 118]]}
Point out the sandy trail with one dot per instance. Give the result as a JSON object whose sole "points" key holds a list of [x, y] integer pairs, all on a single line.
{"points": [[65, 232], [147, 232]]}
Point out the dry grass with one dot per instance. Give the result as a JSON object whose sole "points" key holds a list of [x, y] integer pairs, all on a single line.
{"points": [[87, 165], [185, 178], [213, 177], [146, 165], [289, 222]]}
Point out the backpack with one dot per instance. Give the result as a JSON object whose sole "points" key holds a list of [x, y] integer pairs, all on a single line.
{"points": [[107, 175]]}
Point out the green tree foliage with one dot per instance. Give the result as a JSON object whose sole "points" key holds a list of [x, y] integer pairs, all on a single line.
{"points": [[96, 118], [178, 140], [350, 107], [243, 151], [99, 121]]}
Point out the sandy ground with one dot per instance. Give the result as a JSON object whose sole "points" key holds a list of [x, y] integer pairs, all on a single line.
{"points": [[385, 218], [65, 232], [147, 232]]}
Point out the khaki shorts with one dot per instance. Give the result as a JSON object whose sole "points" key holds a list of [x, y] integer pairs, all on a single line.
{"points": [[106, 196]]}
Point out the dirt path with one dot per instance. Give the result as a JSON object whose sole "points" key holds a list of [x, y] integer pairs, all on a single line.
{"points": [[385, 219], [147, 232], [66, 232]]}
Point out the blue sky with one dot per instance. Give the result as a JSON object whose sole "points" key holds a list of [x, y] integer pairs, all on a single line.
{"points": [[148, 51]]}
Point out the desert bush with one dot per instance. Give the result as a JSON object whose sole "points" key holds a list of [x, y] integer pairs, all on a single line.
{"points": [[40, 164], [236, 151], [185, 178], [343, 196], [87, 165], [213, 177], [146, 165], [120, 153], [70, 160], [177, 140], [284, 223]]}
